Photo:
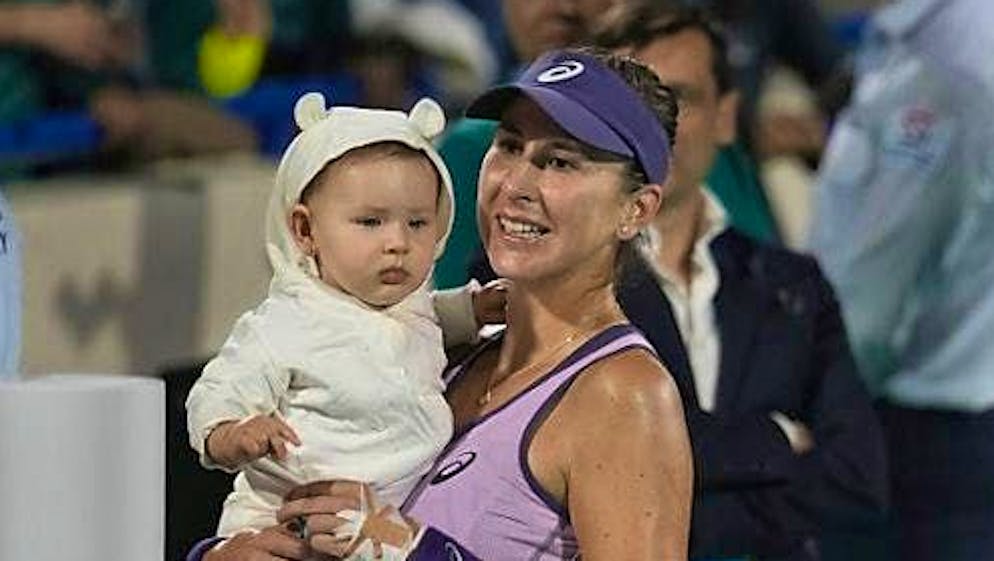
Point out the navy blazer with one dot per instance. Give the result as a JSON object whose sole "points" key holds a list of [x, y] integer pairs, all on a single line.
{"points": [[783, 348]]}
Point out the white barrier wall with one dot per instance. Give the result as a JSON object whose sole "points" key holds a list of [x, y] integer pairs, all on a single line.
{"points": [[82, 469], [131, 273]]}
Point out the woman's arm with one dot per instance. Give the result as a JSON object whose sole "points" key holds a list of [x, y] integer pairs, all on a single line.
{"points": [[324, 503], [625, 459], [272, 544]]}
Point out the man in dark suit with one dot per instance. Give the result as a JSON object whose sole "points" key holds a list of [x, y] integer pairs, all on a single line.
{"points": [[785, 438]]}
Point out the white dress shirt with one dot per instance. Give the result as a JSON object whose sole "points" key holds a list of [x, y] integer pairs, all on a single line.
{"points": [[693, 303]]}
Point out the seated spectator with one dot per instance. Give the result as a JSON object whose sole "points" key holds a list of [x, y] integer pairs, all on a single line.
{"points": [[76, 55], [763, 33]]}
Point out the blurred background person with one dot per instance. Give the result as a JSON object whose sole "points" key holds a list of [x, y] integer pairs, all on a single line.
{"points": [[388, 45], [904, 222], [93, 57], [10, 293], [793, 33]]}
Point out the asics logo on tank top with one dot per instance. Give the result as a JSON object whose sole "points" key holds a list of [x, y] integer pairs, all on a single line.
{"points": [[453, 552], [562, 71], [453, 468]]}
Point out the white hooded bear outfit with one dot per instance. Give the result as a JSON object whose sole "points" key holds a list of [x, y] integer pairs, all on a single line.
{"points": [[361, 386]]}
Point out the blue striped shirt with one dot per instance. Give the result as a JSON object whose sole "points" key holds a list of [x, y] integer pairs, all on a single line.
{"points": [[905, 205]]}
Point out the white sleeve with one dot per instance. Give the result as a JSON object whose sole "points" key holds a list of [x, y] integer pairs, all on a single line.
{"points": [[454, 308], [240, 381]]}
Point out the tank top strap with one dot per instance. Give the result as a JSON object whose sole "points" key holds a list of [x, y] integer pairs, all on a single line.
{"points": [[539, 402], [611, 340]]}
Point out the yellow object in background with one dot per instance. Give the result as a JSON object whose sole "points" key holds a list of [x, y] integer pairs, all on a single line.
{"points": [[229, 64]]}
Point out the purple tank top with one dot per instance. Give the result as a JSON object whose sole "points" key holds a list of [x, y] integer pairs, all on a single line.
{"points": [[481, 491]]}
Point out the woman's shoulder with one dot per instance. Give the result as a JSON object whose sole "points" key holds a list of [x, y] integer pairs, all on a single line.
{"points": [[629, 381], [622, 403]]}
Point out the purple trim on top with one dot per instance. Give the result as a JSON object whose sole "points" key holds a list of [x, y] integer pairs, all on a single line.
{"points": [[202, 547], [572, 358], [454, 375], [435, 545], [467, 365], [611, 334], [456, 372]]}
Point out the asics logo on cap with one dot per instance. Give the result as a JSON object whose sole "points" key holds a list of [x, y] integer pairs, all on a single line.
{"points": [[562, 71]]}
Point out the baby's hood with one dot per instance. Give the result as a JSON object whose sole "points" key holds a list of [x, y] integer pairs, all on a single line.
{"points": [[327, 134]]}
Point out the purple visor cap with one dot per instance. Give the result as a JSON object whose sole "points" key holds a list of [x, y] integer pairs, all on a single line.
{"points": [[592, 103]]}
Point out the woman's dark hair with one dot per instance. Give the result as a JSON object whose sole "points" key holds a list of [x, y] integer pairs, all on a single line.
{"points": [[662, 101]]}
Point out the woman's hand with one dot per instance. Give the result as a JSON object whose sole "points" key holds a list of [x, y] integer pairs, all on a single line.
{"points": [[319, 504], [272, 544], [344, 517]]}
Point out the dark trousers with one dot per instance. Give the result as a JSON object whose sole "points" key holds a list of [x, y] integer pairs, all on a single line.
{"points": [[942, 483]]}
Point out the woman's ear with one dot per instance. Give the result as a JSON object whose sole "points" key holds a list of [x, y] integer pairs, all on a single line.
{"points": [[641, 208], [301, 229]]}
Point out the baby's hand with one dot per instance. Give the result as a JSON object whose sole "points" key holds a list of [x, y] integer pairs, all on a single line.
{"points": [[235, 443], [489, 302]]}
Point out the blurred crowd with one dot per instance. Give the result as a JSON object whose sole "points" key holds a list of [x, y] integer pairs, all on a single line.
{"points": [[155, 75]]}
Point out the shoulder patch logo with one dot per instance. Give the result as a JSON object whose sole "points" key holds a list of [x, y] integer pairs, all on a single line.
{"points": [[916, 125], [453, 552]]}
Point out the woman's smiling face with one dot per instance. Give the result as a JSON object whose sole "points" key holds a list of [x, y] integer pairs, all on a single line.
{"points": [[547, 209]]}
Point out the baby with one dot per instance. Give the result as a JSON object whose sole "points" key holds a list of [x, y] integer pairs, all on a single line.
{"points": [[343, 359]]}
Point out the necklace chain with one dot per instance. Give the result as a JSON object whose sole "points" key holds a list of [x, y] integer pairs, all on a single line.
{"points": [[543, 361]]}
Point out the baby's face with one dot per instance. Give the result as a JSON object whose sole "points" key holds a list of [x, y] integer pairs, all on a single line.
{"points": [[374, 225]]}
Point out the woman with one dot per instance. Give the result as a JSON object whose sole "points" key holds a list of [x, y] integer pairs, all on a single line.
{"points": [[570, 436]]}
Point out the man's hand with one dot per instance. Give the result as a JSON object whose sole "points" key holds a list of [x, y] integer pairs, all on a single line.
{"points": [[489, 302], [798, 434], [788, 134], [76, 32], [245, 17], [234, 444], [120, 113]]}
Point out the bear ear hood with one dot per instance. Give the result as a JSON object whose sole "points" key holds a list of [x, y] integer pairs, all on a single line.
{"points": [[427, 117], [326, 134]]}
